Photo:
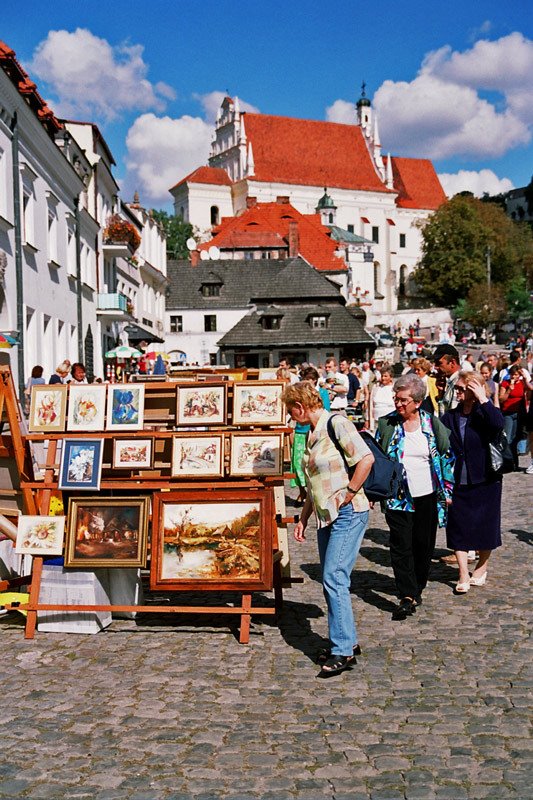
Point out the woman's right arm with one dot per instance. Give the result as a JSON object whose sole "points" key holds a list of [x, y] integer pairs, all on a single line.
{"points": [[301, 525]]}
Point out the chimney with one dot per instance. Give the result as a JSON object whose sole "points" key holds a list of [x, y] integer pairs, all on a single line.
{"points": [[294, 239], [282, 198], [251, 201], [195, 258]]}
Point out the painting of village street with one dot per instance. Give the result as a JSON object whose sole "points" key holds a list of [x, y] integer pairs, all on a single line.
{"points": [[258, 403], [210, 541], [107, 532]]}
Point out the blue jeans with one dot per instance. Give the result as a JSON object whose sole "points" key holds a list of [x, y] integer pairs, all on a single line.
{"points": [[338, 546]]}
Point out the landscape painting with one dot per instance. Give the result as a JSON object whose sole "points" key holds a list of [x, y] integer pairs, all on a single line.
{"points": [[107, 532], [132, 453], [256, 454], [48, 408], [218, 541], [40, 536], [258, 403], [86, 408], [125, 407], [201, 404], [198, 455]]}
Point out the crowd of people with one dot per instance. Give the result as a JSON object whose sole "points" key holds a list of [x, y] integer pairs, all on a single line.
{"points": [[438, 421]]}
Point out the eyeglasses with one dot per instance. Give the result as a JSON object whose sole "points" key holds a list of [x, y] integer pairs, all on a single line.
{"points": [[460, 388], [399, 401]]}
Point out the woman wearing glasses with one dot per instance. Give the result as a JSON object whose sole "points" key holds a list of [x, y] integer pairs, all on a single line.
{"points": [[420, 442], [475, 515]]}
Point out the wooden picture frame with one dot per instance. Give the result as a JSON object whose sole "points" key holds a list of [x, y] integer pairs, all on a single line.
{"points": [[86, 407], [39, 535], [107, 532], [48, 408], [218, 540], [125, 407], [258, 403], [81, 464], [133, 453], [201, 403], [197, 455], [254, 454]]}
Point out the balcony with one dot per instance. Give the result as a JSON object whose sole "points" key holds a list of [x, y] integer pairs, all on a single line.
{"points": [[113, 306], [117, 250]]}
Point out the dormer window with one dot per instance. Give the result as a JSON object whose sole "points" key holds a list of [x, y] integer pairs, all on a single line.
{"points": [[211, 289], [318, 320], [271, 322]]}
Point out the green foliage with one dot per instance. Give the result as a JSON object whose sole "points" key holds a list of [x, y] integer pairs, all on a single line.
{"points": [[518, 299], [177, 232], [482, 308], [455, 249]]}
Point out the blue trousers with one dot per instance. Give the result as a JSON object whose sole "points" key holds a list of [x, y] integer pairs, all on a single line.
{"points": [[338, 547]]}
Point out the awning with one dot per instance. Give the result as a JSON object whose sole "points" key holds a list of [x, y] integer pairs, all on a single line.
{"points": [[391, 221], [365, 219], [137, 334]]}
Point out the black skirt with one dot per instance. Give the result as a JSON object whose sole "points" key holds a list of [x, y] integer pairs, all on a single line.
{"points": [[474, 517]]}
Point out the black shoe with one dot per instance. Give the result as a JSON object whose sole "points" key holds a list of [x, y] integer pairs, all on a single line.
{"points": [[324, 654], [335, 664], [406, 608], [418, 600]]}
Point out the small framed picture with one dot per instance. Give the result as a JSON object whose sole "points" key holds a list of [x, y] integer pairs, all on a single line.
{"points": [[256, 454], [81, 464], [107, 532], [86, 407], [132, 453], [198, 455], [201, 404], [125, 407], [48, 408], [258, 403], [40, 536]]}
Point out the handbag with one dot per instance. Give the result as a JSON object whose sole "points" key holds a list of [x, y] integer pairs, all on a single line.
{"points": [[500, 458]]}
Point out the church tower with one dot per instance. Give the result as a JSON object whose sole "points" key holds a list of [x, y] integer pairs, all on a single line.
{"points": [[368, 123], [327, 209]]}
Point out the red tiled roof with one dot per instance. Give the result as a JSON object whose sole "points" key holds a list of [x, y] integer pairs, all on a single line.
{"points": [[20, 79], [310, 153], [417, 183], [267, 223], [209, 175]]}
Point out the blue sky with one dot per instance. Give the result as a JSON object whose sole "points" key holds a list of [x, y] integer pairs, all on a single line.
{"points": [[451, 81]]}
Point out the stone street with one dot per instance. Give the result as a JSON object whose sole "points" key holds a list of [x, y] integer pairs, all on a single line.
{"points": [[172, 708]]}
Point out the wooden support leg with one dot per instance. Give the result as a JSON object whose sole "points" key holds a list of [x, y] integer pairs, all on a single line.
{"points": [[246, 617], [31, 619], [278, 586]]}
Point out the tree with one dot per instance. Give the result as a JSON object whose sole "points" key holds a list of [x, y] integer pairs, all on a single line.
{"points": [[480, 308], [177, 232], [455, 249]]}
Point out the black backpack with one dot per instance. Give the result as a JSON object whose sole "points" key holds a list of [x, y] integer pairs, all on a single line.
{"points": [[386, 476]]}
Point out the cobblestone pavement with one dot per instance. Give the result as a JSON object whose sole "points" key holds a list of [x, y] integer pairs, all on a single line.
{"points": [[438, 706]]}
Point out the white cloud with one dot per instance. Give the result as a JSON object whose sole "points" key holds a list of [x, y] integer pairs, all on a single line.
{"points": [[445, 111], [90, 78], [476, 182], [212, 101], [162, 150], [341, 111]]}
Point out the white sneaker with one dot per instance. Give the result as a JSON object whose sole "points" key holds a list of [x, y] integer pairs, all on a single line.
{"points": [[529, 470]]}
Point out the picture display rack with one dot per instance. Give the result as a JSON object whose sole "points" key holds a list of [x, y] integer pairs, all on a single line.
{"points": [[159, 425]]}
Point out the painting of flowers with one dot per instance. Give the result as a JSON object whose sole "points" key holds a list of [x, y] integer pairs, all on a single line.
{"points": [[214, 540], [125, 407], [48, 408], [201, 404], [81, 464], [132, 453], [107, 532], [256, 454], [40, 536], [197, 455], [86, 408], [258, 402]]}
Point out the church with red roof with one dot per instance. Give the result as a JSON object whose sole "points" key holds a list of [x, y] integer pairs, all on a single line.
{"points": [[280, 166]]}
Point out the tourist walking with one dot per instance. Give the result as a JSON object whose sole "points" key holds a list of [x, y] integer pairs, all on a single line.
{"points": [[381, 397], [61, 373]]}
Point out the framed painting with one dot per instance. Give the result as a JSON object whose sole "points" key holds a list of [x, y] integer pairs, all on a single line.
{"points": [[86, 407], [132, 453], [256, 454], [81, 464], [125, 407], [48, 408], [107, 532], [219, 540], [258, 403], [201, 404], [198, 455], [40, 536]]}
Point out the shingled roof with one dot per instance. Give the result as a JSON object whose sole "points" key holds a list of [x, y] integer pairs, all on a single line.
{"points": [[417, 183]]}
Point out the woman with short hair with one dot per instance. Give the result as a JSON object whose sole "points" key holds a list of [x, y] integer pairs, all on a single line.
{"points": [[381, 396], [341, 509]]}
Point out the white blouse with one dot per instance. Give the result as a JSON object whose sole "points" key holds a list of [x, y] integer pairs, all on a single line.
{"points": [[416, 461]]}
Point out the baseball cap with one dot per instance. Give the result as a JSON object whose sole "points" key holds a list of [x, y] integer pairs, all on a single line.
{"points": [[445, 350]]}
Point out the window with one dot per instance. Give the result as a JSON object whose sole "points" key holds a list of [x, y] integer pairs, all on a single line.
{"points": [[214, 215], [271, 323], [319, 321], [248, 255], [402, 280], [375, 234], [330, 218], [350, 228], [210, 323], [3, 184], [211, 289], [52, 233], [377, 277], [402, 239], [176, 324], [28, 204]]}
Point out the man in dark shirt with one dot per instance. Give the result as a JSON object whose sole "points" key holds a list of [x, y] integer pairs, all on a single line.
{"points": [[354, 384]]}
